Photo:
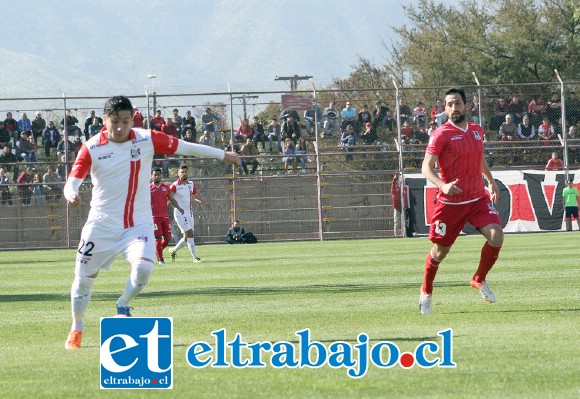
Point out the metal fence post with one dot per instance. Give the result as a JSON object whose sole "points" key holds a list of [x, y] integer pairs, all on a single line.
{"points": [[564, 133], [318, 175], [400, 148]]}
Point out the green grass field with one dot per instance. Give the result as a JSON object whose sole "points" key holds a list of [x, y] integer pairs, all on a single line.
{"points": [[525, 346]]}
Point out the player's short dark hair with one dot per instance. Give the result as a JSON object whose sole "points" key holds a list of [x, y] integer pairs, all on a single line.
{"points": [[457, 90], [116, 104], [156, 170], [183, 166]]}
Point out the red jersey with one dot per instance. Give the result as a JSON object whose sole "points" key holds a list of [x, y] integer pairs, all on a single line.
{"points": [[138, 119], [460, 155], [557, 164], [169, 129], [159, 196]]}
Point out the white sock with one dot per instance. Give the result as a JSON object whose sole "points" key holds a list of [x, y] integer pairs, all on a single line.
{"points": [[80, 296], [191, 246], [180, 244], [140, 273]]}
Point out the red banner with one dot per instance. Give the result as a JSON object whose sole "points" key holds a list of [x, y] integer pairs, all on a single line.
{"points": [[296, 103], [529, 200]]}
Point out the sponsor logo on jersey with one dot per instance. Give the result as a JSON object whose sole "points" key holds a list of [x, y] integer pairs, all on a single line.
{"points": [[135, 152], [106, 156]]}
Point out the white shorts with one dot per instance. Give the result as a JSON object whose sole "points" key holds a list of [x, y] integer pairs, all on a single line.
{"points": [[99, 245], [184, 220]]}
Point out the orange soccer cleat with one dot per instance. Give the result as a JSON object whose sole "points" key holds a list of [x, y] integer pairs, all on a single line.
{"points": [[73, 341]]}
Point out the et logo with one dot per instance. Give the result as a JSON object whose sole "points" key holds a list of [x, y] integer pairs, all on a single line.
{"points": [[136, 353]]}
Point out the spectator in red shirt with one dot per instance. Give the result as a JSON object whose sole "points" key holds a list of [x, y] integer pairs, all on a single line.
{"points": [[407, 132], [555, 163], [437, 109], [546, 130], [169, 128], [138, 118], [245, 131], [157, 121], [536, 110]]}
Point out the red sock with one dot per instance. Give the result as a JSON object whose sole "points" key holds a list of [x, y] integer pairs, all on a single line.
{"points": [[489, 255], [431, 267], [159, 249], [164, 244]]}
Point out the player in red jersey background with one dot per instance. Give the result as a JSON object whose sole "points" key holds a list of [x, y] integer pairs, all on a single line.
{"points": [[457, 148], [160, 194]]}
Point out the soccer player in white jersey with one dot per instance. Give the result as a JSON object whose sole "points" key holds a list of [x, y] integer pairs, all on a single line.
{"points": [[120, 221], [183, 189]]}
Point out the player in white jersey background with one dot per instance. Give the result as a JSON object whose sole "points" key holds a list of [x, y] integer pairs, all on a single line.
{"points": [[183, 190], [120, 220]]}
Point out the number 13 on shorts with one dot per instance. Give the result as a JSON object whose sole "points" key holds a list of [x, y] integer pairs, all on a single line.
{"points": [[440, 228]]}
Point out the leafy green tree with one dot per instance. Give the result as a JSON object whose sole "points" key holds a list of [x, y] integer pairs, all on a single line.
{"points": [[502, 41]]}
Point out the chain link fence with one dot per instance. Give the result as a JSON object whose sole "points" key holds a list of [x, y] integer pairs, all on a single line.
{"points": [[338, 189]]}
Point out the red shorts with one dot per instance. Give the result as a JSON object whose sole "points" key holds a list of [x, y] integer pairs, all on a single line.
{"points": [[162, 226], [448, 220]]}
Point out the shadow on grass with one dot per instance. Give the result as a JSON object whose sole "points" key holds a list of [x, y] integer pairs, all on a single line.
{"points": [[293, 289], [234, 291], [35, 297]]}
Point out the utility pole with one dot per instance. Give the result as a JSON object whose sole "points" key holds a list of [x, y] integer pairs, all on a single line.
{"points": [[244, 102], [294, 80], [152, 77]]}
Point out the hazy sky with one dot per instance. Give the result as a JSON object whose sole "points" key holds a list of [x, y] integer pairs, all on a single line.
{"points": [[196, 46]]}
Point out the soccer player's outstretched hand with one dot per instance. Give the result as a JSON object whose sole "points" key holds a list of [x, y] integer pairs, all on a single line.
{"points": [[75, 201], [232, 158]]}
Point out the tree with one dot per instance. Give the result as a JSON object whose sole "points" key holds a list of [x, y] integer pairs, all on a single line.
{"points": [[507, 41], [503, 41]]}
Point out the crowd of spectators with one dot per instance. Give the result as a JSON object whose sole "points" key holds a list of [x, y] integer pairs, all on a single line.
{"points": [[24, 142]]}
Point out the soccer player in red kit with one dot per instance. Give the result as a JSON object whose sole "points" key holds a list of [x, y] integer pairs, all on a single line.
{"points": [[160, 194], [457, 147], [120, 220]]}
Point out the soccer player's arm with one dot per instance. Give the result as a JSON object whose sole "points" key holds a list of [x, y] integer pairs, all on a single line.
{"points": [[428, 170], [197, 198], [174, 202], [164, 144], [78, 173], [492, 186]]}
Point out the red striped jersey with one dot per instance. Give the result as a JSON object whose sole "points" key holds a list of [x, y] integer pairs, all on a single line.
{"points": [[159, 196], [120, 174], [460, 155]]}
